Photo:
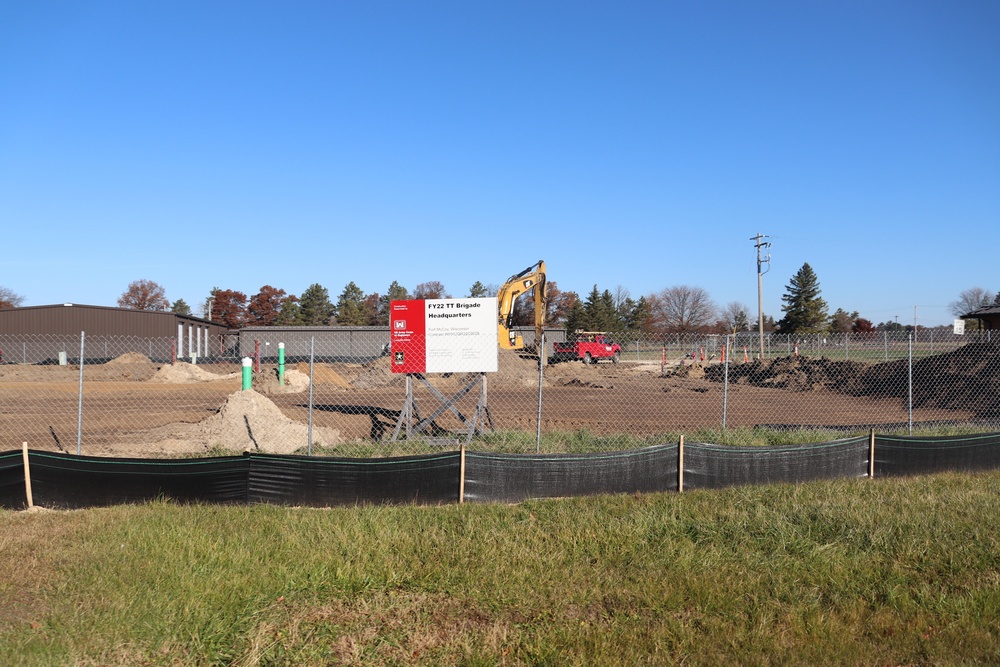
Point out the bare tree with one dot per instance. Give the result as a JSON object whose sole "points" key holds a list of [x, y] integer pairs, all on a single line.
{"points": [[735, 316], [971, 299], [430, 290], [9, 299], [682, 308], [144, 295]]}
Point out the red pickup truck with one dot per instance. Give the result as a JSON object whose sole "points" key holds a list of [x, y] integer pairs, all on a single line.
{"points": [[588, 347]]}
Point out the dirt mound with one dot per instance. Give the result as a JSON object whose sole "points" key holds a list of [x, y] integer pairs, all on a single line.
{"points": [[793, 373], [965, 379], [266, 382], [323, 374], [130, 358], [183, 372], [247, 421], [378, 373], [693, 370]]}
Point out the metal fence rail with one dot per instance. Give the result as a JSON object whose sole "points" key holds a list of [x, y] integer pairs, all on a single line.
{"points": [[127, 396]]}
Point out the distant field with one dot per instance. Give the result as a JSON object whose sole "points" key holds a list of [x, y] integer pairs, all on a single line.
{"points": [[859, 572]]}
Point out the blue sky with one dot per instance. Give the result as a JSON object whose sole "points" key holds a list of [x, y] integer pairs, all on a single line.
{"points": [[635, 144]]}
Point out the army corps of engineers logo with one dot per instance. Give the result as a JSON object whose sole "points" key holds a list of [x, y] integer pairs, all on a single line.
{"points": [[397, 357]]}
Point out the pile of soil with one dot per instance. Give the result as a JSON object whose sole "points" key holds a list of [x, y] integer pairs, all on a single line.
{"points": [[266, 382], [183, 372], [965, 379], [247, 421], [793, 374]]}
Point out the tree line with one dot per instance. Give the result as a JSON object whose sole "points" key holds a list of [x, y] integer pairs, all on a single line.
{"points": [[678, 309]]}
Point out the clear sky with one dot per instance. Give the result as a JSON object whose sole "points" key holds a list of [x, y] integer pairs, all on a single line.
{"points": [[628, 144]]}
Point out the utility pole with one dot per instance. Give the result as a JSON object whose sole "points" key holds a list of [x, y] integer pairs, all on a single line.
{"points": [[766, 259]]}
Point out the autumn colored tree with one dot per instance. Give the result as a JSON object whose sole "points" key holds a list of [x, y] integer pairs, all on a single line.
{"points": [[430, 290], [9, 299], [265, 306], [144, 295], [841, 321], [861, 325], [558, 304], [229, 308], [371, 308]]}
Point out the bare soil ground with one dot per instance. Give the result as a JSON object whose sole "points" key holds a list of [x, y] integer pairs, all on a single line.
{"points": [[133, 407]]}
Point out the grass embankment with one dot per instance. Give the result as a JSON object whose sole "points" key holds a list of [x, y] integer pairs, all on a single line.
{"points": [[583, 441], [845, 572]]}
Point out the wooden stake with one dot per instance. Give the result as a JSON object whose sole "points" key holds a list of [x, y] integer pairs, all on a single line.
{"points": [[27, 475], [680, 466], [461, 477], [871, 453]]}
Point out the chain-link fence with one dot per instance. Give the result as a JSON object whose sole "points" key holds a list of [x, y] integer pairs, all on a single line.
{"points": [[335, 395]]}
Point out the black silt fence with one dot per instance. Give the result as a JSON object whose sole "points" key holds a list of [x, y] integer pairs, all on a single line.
{"points": [[709, 466], [12, 492], [68, 481], [899, 456], [516, 477], [323, 482]]}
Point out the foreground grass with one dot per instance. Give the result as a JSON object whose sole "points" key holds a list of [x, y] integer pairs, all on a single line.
{"points": [[847, 572]]}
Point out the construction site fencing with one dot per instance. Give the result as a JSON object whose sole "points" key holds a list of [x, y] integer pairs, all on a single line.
{"points": [[128, 397], [55, 480]]}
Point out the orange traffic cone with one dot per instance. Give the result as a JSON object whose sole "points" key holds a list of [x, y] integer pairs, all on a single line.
{"points": [[746, 357]]}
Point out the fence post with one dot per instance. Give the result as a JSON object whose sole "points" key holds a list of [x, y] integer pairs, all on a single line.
{"points": [[909, 383], [725, 389], [538, 426], [79, 407], [312, 355]]}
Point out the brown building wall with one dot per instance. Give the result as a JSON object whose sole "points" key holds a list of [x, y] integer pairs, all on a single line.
{"points": [[30, 334]]}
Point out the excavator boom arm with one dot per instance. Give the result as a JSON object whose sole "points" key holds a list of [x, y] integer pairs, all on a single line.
{"points": [[532, 279]]}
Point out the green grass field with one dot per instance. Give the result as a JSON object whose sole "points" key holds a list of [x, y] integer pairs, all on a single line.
{"points": [[855, 572]]}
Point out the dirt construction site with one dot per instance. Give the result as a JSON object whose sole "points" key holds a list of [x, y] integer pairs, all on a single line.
{"points": [[133, 407]]}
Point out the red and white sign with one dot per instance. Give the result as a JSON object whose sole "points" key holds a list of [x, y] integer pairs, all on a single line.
{"points": [[444, 335]]}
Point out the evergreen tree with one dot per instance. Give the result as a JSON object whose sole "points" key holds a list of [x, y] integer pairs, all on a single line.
{"points": [[576, 315], [351, 306], [396, 292], [805, 311], [639, 315], [289, 313], [478, 290], [180, 307], [315, 306]]}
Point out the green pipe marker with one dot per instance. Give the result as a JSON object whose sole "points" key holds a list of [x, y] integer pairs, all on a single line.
{"points": [[281, 364], [247, 373]]}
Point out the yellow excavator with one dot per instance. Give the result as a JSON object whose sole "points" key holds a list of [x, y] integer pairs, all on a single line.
{"points": [[532, 280]]}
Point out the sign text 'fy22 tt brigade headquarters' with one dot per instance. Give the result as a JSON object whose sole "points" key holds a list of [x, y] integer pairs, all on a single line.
{"points": [[444, 335]]}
